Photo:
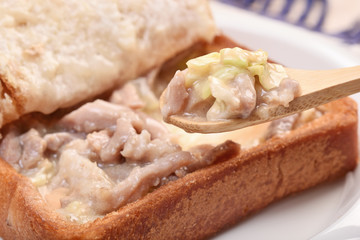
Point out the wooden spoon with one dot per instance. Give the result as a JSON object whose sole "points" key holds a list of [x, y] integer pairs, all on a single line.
{"points": [[317, 87]]}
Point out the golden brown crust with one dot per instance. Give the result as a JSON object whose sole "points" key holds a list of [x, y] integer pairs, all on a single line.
{"points": [[205, 201]]}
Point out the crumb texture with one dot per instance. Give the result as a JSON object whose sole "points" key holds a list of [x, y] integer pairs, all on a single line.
{"points": [[54, 54]]}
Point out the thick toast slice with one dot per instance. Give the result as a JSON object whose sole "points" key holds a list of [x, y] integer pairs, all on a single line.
{"points": [[205, 201], [202, 203]]}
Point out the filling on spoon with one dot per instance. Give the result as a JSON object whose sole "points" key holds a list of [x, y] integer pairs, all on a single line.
{"points": [[232, 83]]}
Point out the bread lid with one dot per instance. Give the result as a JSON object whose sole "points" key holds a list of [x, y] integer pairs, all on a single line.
{"points": [[55, 54]]}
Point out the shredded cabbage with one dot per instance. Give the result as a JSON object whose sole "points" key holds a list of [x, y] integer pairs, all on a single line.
{"points": [[227, 64]]}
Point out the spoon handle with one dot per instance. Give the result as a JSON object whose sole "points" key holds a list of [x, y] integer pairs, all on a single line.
{"points": [[320, 87]]}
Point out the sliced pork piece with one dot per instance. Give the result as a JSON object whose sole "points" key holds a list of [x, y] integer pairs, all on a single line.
{"points": [[283, 94], [127, 96], [55, 141], [236, 99], [281, 126], [86, 182], [176, 96], [97, 141], [108, 144], [23, 150], [118, 172], [142, 179], [126, 143], [33, 148], [140, 148], [96, 116], [10, 148], [156, 128]]}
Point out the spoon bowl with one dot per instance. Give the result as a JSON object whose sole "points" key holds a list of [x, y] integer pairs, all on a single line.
{"points": [[317, 87]]}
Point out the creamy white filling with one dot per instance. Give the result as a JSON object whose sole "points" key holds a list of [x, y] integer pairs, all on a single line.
{"points": [[104, 155]]}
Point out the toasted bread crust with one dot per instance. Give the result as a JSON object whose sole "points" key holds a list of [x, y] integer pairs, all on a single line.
{"points": [[205, 201], [50, 62]]}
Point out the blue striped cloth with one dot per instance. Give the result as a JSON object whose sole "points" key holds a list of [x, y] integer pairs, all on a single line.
{"points": [[311, 8]]}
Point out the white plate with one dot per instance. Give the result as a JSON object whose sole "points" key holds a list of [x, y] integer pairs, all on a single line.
{"points": [[307, 214]]}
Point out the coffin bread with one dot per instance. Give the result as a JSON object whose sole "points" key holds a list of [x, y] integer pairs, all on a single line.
{"points": [[206, 201], [54, 54], [240, 181]]}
